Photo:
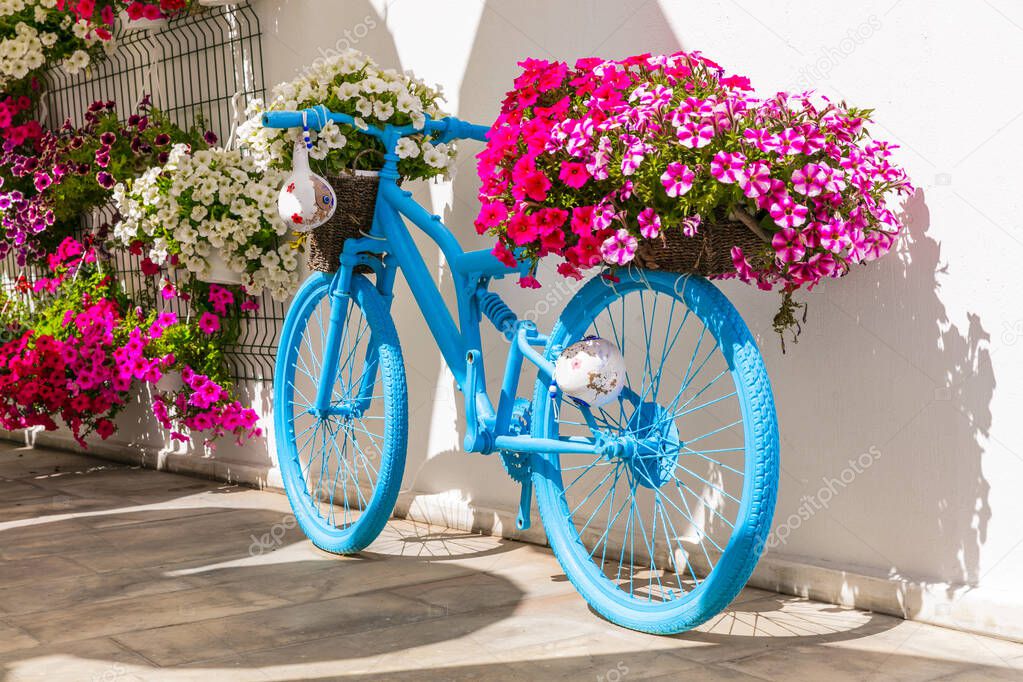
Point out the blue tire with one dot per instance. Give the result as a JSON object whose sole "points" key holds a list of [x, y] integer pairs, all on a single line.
{"points": [[700, 479], [342, 472]]}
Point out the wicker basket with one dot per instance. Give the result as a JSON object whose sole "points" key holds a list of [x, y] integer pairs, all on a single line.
{"points": [[708, 253], [356, 201]]}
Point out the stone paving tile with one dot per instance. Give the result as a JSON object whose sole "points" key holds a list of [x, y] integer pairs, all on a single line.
{"points": [[13, 638], [209, 637], [49, 594], [113, 572], [24, 573], [95, 619], [91, 659]]}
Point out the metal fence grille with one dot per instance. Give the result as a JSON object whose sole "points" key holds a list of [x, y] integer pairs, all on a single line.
{"points": [[202, 69]]}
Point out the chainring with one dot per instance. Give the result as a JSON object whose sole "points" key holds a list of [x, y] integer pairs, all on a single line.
{"points": [[517, 463]]}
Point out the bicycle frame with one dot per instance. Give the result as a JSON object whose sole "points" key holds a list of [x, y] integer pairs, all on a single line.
{"points": [[460, 342]]}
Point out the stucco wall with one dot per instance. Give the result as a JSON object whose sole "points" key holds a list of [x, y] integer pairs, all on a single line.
{"points": [[917, 359]]}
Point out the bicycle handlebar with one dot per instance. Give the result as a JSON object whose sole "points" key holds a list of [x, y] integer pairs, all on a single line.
{"points": [[449, 127]]}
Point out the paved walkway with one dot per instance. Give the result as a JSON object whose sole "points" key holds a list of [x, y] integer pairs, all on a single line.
{"points": [[115, 573]]}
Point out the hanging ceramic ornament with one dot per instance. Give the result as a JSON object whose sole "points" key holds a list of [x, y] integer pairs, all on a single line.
{"points": [[306, 200], [591, 371]]}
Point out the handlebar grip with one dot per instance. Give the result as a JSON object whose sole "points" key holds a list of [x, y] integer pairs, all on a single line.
{"points": [[316, 117], [457, 129], [283, 119]]}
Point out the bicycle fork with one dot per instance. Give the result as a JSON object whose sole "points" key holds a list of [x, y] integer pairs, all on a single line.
{"points": [[354, 403]]}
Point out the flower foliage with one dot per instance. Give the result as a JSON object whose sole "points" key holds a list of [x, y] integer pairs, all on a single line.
{"points": [[352, 83], [586, 162], [64, 174]]}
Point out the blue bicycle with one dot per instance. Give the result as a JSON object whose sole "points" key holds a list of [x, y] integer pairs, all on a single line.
{"points": [[657, 505]]}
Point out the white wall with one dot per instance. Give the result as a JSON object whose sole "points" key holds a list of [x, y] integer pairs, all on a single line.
{"points": [[919, 356]]}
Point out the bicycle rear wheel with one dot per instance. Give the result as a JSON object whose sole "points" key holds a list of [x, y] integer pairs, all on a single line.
{"points": [[663, 536], [342, 470]]}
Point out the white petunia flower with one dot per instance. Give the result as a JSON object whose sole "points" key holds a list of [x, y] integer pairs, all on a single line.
{"points": [[407, 148]]}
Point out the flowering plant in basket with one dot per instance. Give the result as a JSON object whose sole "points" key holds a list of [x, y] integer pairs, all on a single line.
{"points": [[210, 201], [352, 83], [609, 162]]}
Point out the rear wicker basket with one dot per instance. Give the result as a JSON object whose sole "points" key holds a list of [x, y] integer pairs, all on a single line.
{"points": [[708, 253], [356, 201]]}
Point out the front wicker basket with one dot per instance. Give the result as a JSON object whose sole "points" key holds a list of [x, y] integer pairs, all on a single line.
{"points": [[707, 253], [356, 201]]}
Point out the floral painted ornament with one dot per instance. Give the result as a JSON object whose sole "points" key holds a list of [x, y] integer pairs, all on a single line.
{"points": [[591, 371], [306, 200]]}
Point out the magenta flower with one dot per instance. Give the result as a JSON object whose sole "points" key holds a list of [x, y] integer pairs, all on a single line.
{"points": [[649, 223], [727, 167], [832, 235], [691, 225], [635, 152], [619, 248], [522, 229], [209, 323], [758, 180], [786, 212], [788, 245], [695, 135], [529, 282], [811, 179], [491, 215], [790, 141], [677, 179], [574, 174], [220, 298]]}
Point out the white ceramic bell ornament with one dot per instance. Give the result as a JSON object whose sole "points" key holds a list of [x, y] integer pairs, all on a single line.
{"points": [[592, 371], [306, 200]]}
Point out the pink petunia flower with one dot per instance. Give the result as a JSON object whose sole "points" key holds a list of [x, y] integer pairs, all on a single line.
{"points": [[635, 152], [691, 225], [677, 179], [529, 282], [727, 167], [649, 223], [695, 135], [790, 141], [758, 180], [209, 323], [491, 215], [787, 213], [788, 245], [619, 248], [574, 174]]}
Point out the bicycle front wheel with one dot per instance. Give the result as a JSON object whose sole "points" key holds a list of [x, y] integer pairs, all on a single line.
{"points": [[342, 468], [662, 536]]}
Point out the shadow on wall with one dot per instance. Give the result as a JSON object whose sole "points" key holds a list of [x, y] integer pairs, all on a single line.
{"points": [[509, 32], [949, 488], [883, 370]]}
